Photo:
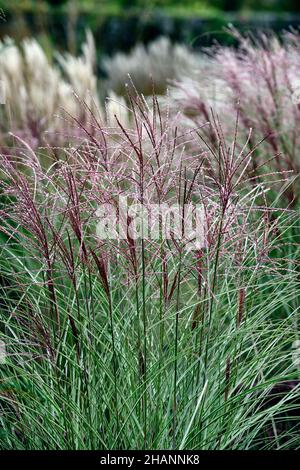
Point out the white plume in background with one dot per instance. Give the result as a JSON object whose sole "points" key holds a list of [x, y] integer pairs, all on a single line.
{"points": [[80, 72], [149, 66], [11, 76], [197, 93], [10, 59], [42, 82], [36, 93]]}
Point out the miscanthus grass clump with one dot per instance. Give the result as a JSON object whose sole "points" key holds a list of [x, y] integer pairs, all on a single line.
{"points": [[129, 342]]}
